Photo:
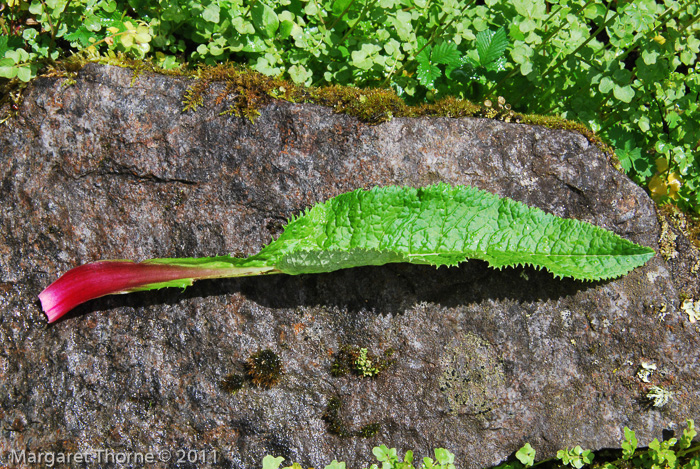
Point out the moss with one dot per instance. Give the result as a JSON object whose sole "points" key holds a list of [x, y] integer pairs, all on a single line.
{"points": [[369, 430], [232, 383], [370, 105], [556, 122], [359, 361], [264, 368], [250, 91], [336, 426], [448, 107], [332, 418]]}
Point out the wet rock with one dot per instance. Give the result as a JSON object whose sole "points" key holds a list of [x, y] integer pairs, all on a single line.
{"points": [[481, 361]]}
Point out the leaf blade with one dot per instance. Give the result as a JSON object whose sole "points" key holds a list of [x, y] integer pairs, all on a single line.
{"points": [[445, 225], [490, 45]]}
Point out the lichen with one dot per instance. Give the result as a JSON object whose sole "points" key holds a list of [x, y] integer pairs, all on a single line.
{"points": [[472, 375], [686, 223], [667, 239], [692, 309]]}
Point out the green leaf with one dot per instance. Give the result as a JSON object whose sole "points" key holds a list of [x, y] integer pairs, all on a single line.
{"points": [[649, 56], [490, 45], [384, 454], [7, 71], [446, 53], [36, 8], [427, 74], [688, 434], [299, 74], [444, 457], [24, 74], [526, 455], [623, 93], [211, 13], [335, 465], [606, 85], [435, 225], [339, 6], [445, 225], [265, 19], [271, 462], [629, 445]]}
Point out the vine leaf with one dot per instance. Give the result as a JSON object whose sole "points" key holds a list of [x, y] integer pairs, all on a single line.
{"points": [[435, 225]]}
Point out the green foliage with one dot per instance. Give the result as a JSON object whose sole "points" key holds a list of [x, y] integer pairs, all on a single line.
{"points": [[669, 454], [576, 457], [391, 460]]}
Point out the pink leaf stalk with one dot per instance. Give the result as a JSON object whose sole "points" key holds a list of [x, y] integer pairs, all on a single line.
{"points": [[97, 279]]}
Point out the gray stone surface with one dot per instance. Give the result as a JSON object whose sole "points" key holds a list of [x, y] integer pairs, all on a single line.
{"points": [[484, 360]]}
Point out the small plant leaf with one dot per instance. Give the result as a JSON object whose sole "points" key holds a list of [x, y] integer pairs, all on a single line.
{"points": [[265, 19], [271, 462], [629, 444], [526, 455], [211, 13], [428, 73], [446, 53], [688, 434], [490, 45]]}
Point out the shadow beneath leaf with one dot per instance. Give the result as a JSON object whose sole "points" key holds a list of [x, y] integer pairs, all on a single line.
{"points": [[391, 288]]}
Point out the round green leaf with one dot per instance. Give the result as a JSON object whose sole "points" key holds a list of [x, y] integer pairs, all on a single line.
{"points": [[265, 19], [211, 13], [299, 74], [24, 74], [36, 8], [605, 85], [623, 93]]}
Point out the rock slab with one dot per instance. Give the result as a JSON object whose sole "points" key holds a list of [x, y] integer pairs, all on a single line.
{"points": [[480, 361]]}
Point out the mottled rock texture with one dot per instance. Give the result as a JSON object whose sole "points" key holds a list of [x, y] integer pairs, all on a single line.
{"points": [[483, 360]]}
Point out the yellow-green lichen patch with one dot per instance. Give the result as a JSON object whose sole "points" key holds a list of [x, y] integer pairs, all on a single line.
{"points": [[688, 224], [667, 239], [472, 375]]}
